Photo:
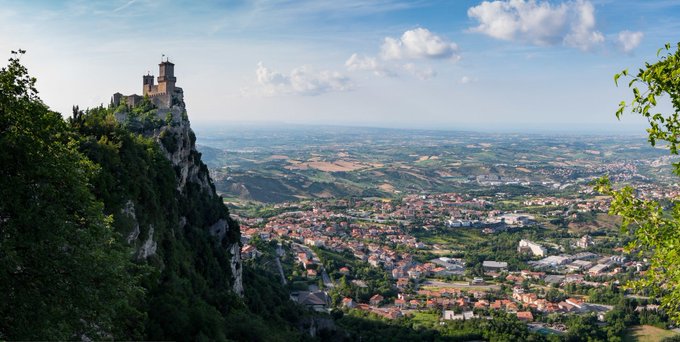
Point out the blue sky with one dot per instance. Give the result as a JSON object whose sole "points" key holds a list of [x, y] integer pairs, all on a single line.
{"points": [[395, 63]]}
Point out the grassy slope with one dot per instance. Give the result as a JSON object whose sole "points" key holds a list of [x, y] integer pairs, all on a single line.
{"points": [[647, 333]]}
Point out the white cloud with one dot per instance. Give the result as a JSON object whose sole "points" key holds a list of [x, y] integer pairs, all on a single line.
{"points": [[538, 22], [358, 62], [628, 40], [365, 63], [465, 80], [583, 34], [412, 47], [301, 81], [418, 43], [384, 68]]}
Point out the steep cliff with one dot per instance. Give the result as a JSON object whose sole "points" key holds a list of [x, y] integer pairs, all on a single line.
{"points": [[171, 130], [163, 203], [112, 228], [178, 142]]}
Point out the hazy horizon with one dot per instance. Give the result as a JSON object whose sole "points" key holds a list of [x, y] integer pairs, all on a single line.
{"points": [[616, 128]]}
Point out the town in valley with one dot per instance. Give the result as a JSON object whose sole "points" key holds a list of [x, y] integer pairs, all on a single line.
{"points": [[426, 225]]}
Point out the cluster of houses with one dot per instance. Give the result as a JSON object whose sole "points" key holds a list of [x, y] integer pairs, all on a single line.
{"points": [[657, 191], [320, 228], [456, 304], [308, 260], [531, 300], [440, 267], [372, 229]]}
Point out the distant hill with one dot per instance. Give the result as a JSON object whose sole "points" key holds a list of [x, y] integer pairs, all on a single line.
{"points": [[272, 165]]}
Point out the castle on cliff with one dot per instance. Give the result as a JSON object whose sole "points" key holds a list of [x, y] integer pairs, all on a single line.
{"points": [[164, 94]]}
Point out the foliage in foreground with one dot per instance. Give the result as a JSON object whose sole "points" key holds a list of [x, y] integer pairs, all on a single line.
{"points": [[62, 272], [656, 228]]}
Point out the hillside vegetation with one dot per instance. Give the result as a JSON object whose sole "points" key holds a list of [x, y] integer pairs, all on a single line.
{"points": [[100, 239]]}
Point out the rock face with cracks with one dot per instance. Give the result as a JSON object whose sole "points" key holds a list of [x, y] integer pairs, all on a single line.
{"points": [[173, 133]]}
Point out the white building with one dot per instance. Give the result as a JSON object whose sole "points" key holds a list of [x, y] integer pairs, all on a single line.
{"points": [[456, 223], [517, 219], [451, 315], [531, 247]]}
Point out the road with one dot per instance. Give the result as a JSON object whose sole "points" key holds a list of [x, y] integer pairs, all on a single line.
{"points": [[278, 264], [327, 282], [458, 285], [279, 252]]}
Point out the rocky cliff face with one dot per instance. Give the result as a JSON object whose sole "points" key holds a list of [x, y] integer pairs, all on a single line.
{"points": [[177, 140]]}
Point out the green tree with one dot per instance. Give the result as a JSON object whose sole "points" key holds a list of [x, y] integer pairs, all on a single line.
{"points": [[62, 272], [656, 229]]}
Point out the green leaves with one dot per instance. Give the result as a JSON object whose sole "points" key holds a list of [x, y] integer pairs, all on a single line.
{"points": [[657, 80], [622, 107], [656, 230], [62, 275], [656, 234]]}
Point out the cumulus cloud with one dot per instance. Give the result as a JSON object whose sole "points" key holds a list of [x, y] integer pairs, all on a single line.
{"points": [[465, 80], [411, 49], [301, 81], [628, 40], [583, 34], [538, 22], [418, 43]]}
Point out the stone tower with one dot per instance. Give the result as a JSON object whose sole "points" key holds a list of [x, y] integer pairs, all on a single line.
{"points": [[166, 77], [148, 84]]}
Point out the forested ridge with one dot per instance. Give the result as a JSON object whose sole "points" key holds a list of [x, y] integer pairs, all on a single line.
{"points": [[77, 200]]}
